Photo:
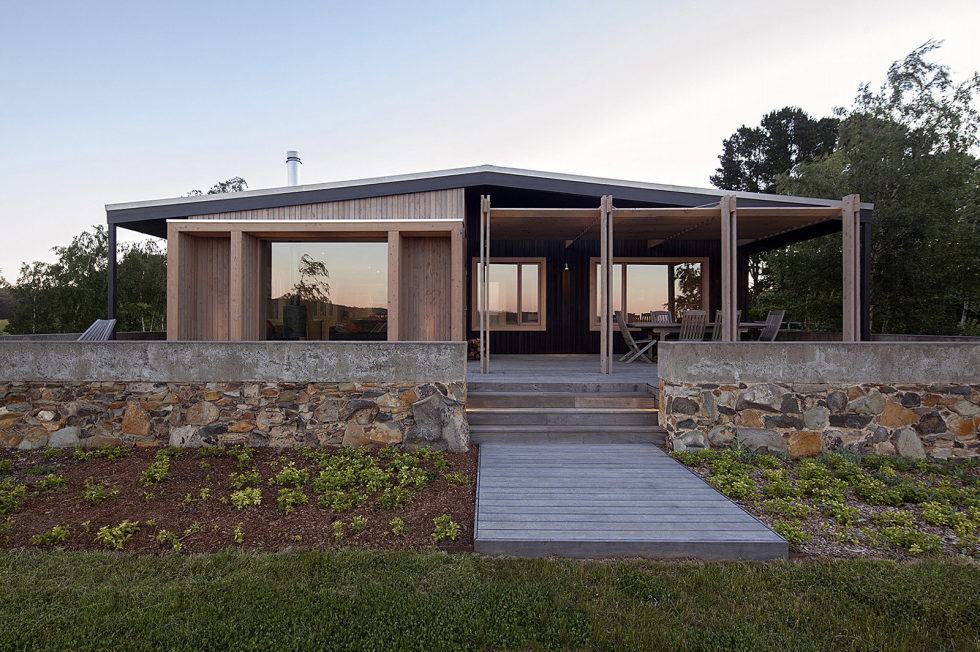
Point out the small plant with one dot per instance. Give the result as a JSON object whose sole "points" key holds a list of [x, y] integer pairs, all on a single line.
{"points": [[393, 497], [5, 526], [338, 530], [398, 528], [357, 524], [341, 501], [116, 537], [57, 534], [105, 452], [786, 508], [768, 462], [148, 496], [245, 498], [240, 453], [6, 467], [238, 534], [845, 515], [99, 492], [52, 453], [458, 478], [12, 496], [245, 479], [86, 525], [168, 538], [289, 474], [911, 539], [902, 518], [413, 476], [204, 464], [51, 483], [792, 532], [40, 469], [290, 499], [446, 528], [157, 472]]}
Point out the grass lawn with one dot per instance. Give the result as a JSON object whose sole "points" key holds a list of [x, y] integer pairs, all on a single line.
{"points": [[363, 599]]}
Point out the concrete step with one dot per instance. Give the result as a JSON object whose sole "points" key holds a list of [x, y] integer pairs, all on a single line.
{"points": [[560, 400], [557, 437], [562, 416], [602, 387]]}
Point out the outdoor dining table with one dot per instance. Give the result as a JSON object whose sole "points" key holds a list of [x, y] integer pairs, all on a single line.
{"points": [[663, 328]]}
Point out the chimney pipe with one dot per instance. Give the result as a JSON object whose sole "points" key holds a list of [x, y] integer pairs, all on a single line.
{"points": [[292, 168]]}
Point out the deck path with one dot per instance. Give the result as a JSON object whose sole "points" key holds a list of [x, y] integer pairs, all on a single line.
{"points": [[607, 500]]}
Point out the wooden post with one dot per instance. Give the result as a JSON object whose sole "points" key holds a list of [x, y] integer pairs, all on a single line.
{"points": [[851, 251], [173, 282], [236, 287], [729, 268], [605, 285], [458, 281], [394, 285], [484, 284]]}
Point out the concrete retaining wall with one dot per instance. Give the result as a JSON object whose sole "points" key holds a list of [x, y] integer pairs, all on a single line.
{"points": [[912, 399], [349, 362]]}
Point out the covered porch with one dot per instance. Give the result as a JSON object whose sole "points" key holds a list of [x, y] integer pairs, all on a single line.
{"points": [[598, 260]]}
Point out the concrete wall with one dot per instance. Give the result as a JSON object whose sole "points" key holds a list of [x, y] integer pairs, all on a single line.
{"points": [[275, 362], [71, 337], [911, 399], [820, 362]]}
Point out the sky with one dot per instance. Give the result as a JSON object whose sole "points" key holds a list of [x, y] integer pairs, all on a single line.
{"points": [[105, 102]]}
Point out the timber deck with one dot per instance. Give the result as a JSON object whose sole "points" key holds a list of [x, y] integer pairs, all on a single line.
{"points": [[607, 500]]}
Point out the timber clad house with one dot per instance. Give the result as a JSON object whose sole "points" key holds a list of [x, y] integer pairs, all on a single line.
{"points": [[401, 257]]}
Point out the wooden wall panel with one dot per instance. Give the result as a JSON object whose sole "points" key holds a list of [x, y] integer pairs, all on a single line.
{"points": [[425, 289], [445, 204], [203, 295]]}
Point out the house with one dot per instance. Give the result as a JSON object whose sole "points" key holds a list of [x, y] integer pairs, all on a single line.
{"points": [[397, 258]]}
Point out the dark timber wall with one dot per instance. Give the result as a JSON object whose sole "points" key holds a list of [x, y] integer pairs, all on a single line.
{"points": [[567, 300]]}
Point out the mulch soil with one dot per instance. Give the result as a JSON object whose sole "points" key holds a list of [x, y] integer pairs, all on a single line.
{"points": [[208, 525]]}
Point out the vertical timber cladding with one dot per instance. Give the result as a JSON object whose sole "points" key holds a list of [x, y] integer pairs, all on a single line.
{"points": [[425, 289], [203, 286]]}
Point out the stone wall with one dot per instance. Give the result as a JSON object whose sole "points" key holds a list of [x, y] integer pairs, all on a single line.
{"points": [[275, 394], [914, 400]]}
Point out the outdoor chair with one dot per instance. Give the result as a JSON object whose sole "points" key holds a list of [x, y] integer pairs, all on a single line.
{"points": [[773, 321], [692, 325], [633, 345], [100, 331], [661, 317], [719, 322]]}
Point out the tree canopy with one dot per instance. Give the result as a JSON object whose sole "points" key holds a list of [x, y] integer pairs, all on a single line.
{"points": [[907, 146]]}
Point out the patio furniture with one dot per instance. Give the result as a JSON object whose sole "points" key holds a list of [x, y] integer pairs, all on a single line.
{"points": [[719, 324], [692, 325], [100, 331], [773, 321], [661, 317], [634, 346]]}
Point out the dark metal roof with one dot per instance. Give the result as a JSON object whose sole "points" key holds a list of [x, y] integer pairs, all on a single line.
{"points": [[150, 216]]}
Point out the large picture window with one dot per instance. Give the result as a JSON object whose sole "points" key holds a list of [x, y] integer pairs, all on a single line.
{"points": [[516, 294], [327, 291], [643, 285]]}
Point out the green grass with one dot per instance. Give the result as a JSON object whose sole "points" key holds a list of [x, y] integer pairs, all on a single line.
{"points": [[408, 600]]}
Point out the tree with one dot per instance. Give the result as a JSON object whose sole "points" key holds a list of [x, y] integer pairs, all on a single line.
{"points": [[68, 295], [753, 158]]}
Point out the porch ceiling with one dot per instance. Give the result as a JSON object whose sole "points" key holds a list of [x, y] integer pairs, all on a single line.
{"points": [[754, 223]]}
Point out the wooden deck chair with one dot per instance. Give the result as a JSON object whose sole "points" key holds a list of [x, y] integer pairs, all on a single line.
{"points": [[101, 330], [719, 320], [661, 317], [693, 325], [634, 346], [773, 321]]}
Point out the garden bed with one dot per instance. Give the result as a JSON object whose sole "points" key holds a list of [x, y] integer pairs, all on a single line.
{"points": [[852, 505], [207, 499]]}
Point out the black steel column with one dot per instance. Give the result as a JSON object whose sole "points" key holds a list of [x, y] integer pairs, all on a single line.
{"points": [[865, 281], [112, 273]]}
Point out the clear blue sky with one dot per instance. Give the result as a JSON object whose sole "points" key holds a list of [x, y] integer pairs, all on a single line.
{"points": [[104, 102]]}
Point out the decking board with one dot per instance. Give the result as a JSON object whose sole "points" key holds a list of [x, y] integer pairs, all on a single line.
{"points": [[607, 500]]}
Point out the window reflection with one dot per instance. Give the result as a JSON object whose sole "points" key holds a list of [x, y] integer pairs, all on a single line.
{"points": [[327, 291], [640, 288]]}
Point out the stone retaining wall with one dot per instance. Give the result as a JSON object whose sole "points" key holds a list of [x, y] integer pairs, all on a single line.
{"points": [[915, 400], [276, 394]]}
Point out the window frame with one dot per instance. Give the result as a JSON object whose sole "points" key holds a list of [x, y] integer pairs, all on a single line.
{"points": [[542, 265], [595, 261]]}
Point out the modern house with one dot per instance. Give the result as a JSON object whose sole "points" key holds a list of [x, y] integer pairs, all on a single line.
{"points": [[398, 258]]}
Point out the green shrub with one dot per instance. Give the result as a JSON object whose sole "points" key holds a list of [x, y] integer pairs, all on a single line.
{"points": [[238, 533], [792, 532], [735, 484], [168, 538], [458, 478], [398, 528], [241, 453], [845, 515], [51, 483], [393, 497], [911, 539], [116, 537], [40, 469], [900, 518], [245, 479], [6, 467], [446, 529], [357, 524], [157, 472], [765, 461], [290, 499], [338, 530], [57, 534], [290, 474], [13, 495], [51, 453], [105, 452], [245, 498], [780, 489], [785, 508], [99, 492], [341, 501]]}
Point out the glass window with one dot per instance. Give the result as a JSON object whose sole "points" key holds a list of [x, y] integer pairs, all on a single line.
{"points": [[514, 293], [639, 288], [327, 291]]}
